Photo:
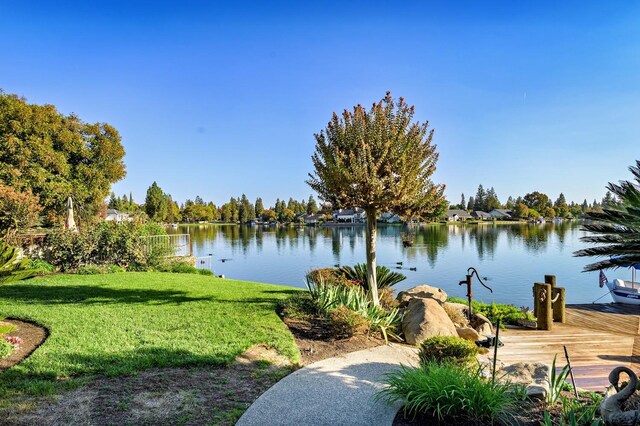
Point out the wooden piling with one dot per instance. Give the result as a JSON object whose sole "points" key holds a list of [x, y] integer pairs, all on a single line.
{"points": [[550, 279], [559, 305], [544, 314]]}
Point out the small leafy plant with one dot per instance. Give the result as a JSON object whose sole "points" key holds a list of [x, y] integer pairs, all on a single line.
{"points": [[6, 348], [557, 381], [507, 314], [447, 349], [451, 393]]}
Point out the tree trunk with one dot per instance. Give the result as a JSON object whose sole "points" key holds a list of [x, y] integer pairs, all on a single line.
{"points": [[371, 255]]}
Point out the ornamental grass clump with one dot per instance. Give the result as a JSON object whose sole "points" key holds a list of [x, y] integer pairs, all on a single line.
{"points": [[448, 392], [447, 349]]}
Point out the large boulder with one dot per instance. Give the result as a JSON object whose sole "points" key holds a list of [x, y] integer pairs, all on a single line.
{"points": [[426, 318], [421, 292], [535, 376], [457, 312], [482, 324], [468, 333]]}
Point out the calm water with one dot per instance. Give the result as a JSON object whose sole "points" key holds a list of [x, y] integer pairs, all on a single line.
{"points": [[513, 257]]}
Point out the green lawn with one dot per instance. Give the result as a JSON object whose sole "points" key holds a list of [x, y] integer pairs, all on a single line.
{"points": [[122, 323]]}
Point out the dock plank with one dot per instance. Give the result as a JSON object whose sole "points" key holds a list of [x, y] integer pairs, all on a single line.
{"points": [[598, 337]]}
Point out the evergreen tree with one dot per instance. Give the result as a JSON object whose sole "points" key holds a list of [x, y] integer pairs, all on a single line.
{"points": [[463, 202], [155, 204], [510, 203], [312, 207], [491, 201], [480, 200], [585, 206], [471, 204], [259, 207]]}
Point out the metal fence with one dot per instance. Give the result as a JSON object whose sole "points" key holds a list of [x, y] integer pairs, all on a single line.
{"points": [[174, 244]]}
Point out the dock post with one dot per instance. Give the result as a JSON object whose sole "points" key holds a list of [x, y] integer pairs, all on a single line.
{"points": [[550, 279], [544, 314], [558, 295]]}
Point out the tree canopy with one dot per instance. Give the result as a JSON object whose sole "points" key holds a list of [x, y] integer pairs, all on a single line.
{"points": [[378, 160], [616, 227], [49, 155]]}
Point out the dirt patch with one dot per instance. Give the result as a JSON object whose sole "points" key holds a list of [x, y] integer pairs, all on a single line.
{"points": [[173, 396], [316, 342], [32, 335]]}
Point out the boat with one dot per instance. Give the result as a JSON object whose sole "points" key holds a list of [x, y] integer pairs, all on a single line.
{"points": [[622, 291]]}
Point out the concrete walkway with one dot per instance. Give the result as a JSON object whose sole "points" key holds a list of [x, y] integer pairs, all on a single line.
{"points": [[335, 391]]}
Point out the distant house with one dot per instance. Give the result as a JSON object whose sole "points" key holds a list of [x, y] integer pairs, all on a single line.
{"points": [[501, 214], [456, 215], [312, 219], [389, 217], [356, 215], [480, 215], [117, 216]]}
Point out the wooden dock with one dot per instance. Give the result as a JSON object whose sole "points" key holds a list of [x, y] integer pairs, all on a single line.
{"points": [[598, 338]]}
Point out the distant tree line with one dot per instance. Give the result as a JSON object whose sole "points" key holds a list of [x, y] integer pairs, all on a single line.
{"points": [[533, 204], [160, 207]]}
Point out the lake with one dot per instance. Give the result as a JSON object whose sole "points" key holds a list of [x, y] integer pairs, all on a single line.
{"points": [[511, 256]]}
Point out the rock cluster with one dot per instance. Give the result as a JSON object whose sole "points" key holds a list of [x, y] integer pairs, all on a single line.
{"points": [[428, 314]]}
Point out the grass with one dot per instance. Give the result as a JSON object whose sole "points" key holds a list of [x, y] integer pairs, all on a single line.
{"points": [[123, 323]]}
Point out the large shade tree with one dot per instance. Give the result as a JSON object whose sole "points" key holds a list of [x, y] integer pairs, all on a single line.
{"points": [[50, 155], [379, 160], [616, 228]]}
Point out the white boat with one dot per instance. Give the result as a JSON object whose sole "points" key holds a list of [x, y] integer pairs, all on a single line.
{"points": [[621, 291]]}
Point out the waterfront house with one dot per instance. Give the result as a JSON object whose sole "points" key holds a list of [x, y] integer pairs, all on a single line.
{"points": [[117, 216], [312, 219], [388, 217], [480, 215], [456, 215], [356, 215], [501, 214]]}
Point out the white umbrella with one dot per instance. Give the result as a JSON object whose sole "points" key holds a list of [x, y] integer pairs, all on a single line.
{"points": [[70, 224]]}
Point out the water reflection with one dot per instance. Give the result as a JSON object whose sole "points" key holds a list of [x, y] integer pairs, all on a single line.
{"points": [[441, 253]]}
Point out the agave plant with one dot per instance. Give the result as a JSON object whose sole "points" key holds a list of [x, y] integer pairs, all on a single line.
{"points": [[616, 228], [385, 277], [12, 269]]}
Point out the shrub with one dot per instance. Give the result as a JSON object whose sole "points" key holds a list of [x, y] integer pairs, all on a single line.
{"points": [[181, 267], [41, 267], [447, 349], [384, 276], [297, 306], [453, 394], [6, 348], [328, 297], [345, 323], [507, 314], [107, 243]]}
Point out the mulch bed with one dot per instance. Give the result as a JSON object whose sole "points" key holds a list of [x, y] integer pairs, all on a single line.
{"points": [[316, 342], [33, 336]]}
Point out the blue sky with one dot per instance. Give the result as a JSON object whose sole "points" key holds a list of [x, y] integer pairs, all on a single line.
{"points": [[218, 100]]}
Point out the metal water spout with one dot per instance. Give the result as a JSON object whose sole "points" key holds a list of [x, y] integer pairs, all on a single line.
{"points": [[469, 281]]}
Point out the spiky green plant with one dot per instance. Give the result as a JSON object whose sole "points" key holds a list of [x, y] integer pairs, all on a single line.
{"points": [[385, 277], [12, 269], [616, 228]]}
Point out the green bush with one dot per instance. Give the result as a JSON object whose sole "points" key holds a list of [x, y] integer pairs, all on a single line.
{"points": [[447, 349], [328, 297], [384, 276], [507, 314], [182, 268], [453, 394], [106, 243], [6, 348], [42, 267], [345, 323]]}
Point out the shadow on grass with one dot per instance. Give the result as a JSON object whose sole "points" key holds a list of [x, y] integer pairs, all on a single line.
{"points": [[107, 365], [89, 295]]}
